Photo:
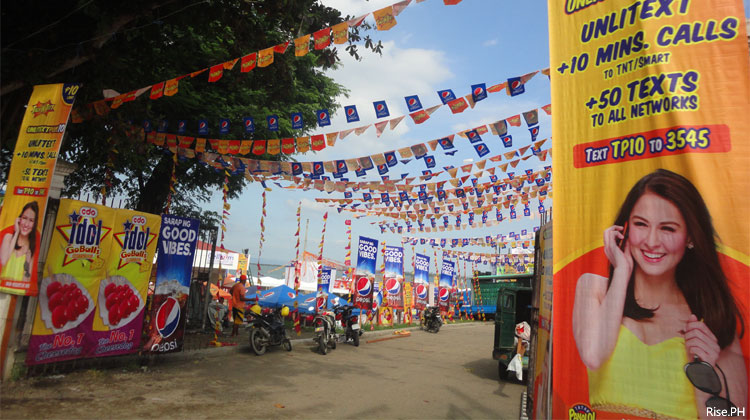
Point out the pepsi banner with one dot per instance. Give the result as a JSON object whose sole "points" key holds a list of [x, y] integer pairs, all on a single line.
{"points": [[165, 323], [445, 284], [91, 303], [364, 277], [421, 280], [394, 277], [325, 279]]}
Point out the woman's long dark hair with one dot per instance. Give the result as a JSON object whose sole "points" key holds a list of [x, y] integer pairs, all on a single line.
{"points": [[699, 274], [34, 206]]}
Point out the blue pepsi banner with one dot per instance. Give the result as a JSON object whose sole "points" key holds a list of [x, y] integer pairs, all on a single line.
{"points": [[445, 284], [421, 280], [325, 279], [393, 279], [165, 326], [364, 277]]}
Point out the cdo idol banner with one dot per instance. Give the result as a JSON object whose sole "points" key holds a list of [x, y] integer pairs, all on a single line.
{"points": [[651, 234], [364, 276], [29, 179], [445, 284], [92, 298], [421, 280], [165, 322], [394, 277]]}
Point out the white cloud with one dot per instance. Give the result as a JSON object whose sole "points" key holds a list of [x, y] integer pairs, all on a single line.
{"points": [[310, 205], [490, 42], [356, 7]]}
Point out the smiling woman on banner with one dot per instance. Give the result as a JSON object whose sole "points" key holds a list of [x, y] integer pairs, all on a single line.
{"points": [[666, 303], [19, 245]]}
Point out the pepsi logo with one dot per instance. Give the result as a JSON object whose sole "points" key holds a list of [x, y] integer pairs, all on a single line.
{"points": [[421, 291], [168, 317], [224, 124], [290, 294], [317, 167], [535, 130], [515, 84], [202, 125], [320, 302], [381, 107], [297, 118], [248, 123], [393, 286], [323, 115], [390, 158], [478, 91], [272, 121], [268, 295], [445, 94], [181, 124], [429, 160], [444, 294], [341, 165], [364, 287], [480, 147], [412, 102], [350, 111]]}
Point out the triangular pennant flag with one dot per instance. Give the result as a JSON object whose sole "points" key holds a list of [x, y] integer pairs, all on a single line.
{"points": [[353, 23], [548, 109], [395, 121], [514, 163], [345, 133], [433, 144], [361, 130], [379, 127], [400, 6], [497, 88]]}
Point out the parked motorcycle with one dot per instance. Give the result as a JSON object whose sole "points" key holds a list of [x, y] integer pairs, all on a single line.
{"points": [[325, 331], [350, 323], [268, 329], [431, 319]]}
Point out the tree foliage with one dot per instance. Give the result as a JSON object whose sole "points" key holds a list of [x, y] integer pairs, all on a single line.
{"points": [[128, 45]]}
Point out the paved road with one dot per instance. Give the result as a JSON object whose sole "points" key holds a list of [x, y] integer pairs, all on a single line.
{"points": [[435, 376]]}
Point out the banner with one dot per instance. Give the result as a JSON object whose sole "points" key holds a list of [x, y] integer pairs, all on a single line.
{"points": [[445, 285], [421, 280], [325, 280], [31, 168], [91, 301], [394, 277], [364, 277], [651, 230], [165, 321], [543, 365]]}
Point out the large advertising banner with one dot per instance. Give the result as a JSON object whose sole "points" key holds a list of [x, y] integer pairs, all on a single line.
{"points": [[421, 280], [165, 319], [394, 277], [543, 364], [92, 296], [364, 276], [445, 284], [651, 234], [29, 179]]}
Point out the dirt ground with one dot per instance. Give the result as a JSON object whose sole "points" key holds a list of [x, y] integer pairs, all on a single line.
{"points": [[445, 375]]}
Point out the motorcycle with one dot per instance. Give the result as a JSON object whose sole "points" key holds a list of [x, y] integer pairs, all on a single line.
{"points": [[431, 319], [268, 329], [350, 323], [325, 331]]}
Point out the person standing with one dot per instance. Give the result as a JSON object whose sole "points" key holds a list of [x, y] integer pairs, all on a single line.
{"points": [[238, 304], [18, 246]]}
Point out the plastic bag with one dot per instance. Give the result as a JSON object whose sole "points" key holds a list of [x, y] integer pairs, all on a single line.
{"points": [[516, 365], [523, 330]]}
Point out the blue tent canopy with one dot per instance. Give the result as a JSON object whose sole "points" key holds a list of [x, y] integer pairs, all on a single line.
{"points": [[276, 297]]}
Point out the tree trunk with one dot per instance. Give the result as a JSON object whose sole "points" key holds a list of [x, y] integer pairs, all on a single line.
{"points": [[154, 195]]}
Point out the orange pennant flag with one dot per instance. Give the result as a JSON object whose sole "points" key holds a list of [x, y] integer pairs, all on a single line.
{"points": [[229, 65], [514, 121], [361, 130], [274, 147], [419, 116], [340, 33], [331, 139], [523, 150], [171, 87], [303, 144], [345, 133], [265, 57], [497, 88], [302, 45], [245, 147], [433, 144], [384, 18], [504, 167], [514, 163], [548, 109], [248, 62], [200, 145], [379, 127]]}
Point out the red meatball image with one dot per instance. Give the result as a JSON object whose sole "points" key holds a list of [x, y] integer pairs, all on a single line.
{"points": [[66, 302]]}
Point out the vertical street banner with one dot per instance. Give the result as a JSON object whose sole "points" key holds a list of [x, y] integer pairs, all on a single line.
{"points": [[69, 289], [364, 276], [651, 234], [421, 281], [32, 165], [445, 284], [325, 280], [122, 293], [394, 277], [543, 365], [92, 296], [164, 324]]}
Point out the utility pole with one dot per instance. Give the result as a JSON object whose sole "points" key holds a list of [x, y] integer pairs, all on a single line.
{"points": [[304, 249]]}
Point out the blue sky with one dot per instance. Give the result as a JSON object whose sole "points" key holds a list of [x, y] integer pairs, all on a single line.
{"points": [[432, 47]]}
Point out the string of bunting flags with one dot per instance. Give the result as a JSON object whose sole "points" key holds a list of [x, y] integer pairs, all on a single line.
{"points": [[385, 19], [417, 113]]}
